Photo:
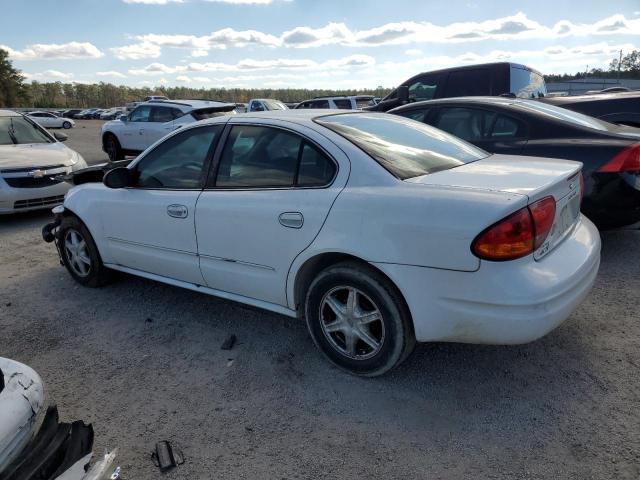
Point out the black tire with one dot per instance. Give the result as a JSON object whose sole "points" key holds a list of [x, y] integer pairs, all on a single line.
{"points": [[66, 125], [97, 274], [112, 147], [393, 332]]}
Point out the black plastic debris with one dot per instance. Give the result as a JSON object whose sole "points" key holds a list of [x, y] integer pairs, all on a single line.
{"points": [[56, 447], [229, 342], [167, 456], [149, 320]]}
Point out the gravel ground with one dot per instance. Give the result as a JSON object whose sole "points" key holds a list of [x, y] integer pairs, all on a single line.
{"points": [[142, 362]]}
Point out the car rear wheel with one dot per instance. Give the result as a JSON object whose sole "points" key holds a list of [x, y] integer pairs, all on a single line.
{"points": [[358, 320], [112, 147], [66, 125], [80, 254]]}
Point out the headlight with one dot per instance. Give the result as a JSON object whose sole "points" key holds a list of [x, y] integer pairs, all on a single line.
{"points": [[77, 162]]}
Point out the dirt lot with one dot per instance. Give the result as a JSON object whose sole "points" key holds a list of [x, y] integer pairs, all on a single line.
{"points": [[84, 138], [142, 362]]}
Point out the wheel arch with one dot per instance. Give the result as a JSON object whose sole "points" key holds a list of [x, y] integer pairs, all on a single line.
{"points": [[312, 266]]}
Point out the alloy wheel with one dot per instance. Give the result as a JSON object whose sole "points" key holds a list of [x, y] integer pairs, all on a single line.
{"points": [[77, 253], [352, 322]]}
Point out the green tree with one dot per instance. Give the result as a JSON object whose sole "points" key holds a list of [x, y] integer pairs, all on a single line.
{"points": [[12, 91]]}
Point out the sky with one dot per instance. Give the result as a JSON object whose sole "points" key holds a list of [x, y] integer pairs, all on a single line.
{"points": [[305, 43]]}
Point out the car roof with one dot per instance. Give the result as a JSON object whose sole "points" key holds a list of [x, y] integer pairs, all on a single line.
{"points": [[188, 104]]}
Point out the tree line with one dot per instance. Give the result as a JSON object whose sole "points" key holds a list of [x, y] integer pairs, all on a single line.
{"points": [[15, 92]]}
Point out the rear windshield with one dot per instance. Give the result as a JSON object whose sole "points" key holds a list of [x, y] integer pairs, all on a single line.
{"points": [[18, 130], [527, 84], [275, 105], [562, 114], [404, 147]]}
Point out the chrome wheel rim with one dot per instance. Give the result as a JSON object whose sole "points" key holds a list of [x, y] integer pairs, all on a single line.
{"points": [[352, 323], [77, 253]]}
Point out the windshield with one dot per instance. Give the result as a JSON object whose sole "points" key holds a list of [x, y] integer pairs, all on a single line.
{"points": [[275, 105], [562, 114], [18, 130], [404, 147]]}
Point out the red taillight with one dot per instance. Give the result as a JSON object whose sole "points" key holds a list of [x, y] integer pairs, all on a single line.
{"points": [[517, 235], [627, 160]]}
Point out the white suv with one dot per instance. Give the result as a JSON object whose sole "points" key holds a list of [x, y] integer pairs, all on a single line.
{"points": [[150, 121], [355, 102]]}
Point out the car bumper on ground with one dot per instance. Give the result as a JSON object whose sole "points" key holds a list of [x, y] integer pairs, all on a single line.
{"points": [[502, 302], [15, 200]]}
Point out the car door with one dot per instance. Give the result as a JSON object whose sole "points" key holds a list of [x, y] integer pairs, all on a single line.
{"points": [[133, 134], [160, 124], [490, 130], [150, 226], [270, 194]]}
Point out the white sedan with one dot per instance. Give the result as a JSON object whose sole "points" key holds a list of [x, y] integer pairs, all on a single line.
{"points": [[49, 120], [379, 230]]}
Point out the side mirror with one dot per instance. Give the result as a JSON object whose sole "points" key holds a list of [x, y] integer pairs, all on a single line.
{"points": [[124, 118], [61, 137], [403, 94], [119, 177]]}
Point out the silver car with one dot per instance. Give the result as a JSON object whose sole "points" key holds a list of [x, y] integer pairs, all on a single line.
{"points": [[30, 159]]}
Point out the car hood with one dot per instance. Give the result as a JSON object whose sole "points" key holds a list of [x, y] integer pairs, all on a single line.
{"points": [[35, 155]]}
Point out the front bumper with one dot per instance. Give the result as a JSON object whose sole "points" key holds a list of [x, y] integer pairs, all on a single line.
{"points": [[503, 302], [15, 200]]}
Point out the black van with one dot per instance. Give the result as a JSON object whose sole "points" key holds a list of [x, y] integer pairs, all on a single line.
{"points": [[473, 80]]}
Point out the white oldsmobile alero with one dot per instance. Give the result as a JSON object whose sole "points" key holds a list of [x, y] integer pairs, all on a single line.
{"points": [[379, 230]]}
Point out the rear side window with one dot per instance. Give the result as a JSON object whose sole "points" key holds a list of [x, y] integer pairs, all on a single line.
{"points": [[464, 83], [160, 115], [474, 124], [259, 157], [405, 148], [342, 103]]}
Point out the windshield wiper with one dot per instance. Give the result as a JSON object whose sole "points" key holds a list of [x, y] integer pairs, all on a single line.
{"points": [[12, 132]]}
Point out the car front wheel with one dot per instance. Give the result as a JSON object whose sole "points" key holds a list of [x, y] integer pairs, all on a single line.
{"points": [[80, 254], [358, 320]]}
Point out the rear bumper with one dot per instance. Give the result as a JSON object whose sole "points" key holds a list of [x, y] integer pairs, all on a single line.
{"points": [[503, 302], [15, 200]]}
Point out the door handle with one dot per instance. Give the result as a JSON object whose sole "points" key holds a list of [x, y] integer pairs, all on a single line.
{"points": [[291, 219], [177, 211]]}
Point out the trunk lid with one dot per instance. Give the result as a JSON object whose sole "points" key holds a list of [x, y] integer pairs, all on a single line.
{"points": [[532, 177]]}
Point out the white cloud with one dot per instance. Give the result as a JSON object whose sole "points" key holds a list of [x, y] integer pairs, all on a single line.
{"points": [[48, 75], [55, 51], [249, 64], [111, 73], [137, 51], [199, 53], [153, 2], [183, 79], [413, 52], [514, 27]]}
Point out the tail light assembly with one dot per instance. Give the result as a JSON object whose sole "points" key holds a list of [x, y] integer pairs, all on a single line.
{"points": [[627, 160], [517, 235]]}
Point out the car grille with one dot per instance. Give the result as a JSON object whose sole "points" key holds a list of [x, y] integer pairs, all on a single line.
{"points": [[24, 177], [38, 202], [30, 182]]}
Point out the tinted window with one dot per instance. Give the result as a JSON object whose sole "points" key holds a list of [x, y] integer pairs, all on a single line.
{"points": [[269, 157], [424, 88], [342, 103], [179, 161], [527, 84], [140, 114], [315, 168], [161, 115], [362, 102], [465, 83], [473, 124], [320, 104], [404, 147], [418, 115]]}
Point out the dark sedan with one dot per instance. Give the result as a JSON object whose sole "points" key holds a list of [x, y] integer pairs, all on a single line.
{"points": [[610, 153]]}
